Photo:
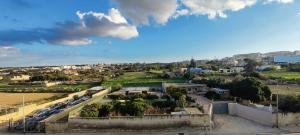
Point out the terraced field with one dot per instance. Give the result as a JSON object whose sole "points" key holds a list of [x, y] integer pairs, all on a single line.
{"points": [[12, 99]]}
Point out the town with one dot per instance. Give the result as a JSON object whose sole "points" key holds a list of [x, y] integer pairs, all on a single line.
{"points": [[203, 96], [149, 67]]}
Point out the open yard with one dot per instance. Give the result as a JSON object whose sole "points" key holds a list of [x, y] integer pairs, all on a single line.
{"points": [[284, 75], [132, 79], [285, 89], [11, 99]]}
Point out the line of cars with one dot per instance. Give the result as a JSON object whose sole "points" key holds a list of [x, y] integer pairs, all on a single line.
{"points": [[32, 121]]}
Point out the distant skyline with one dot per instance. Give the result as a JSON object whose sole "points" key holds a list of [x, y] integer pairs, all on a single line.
{"points": [[62, 32]]}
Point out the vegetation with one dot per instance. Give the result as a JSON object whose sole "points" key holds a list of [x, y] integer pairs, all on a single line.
{"points": [[176, 93], [90, 110], [212, 95], [136, 79], [49, 77], [132, 107], [250, 89], [289, 104], [250, 65], [282, 75], [285, 89]]}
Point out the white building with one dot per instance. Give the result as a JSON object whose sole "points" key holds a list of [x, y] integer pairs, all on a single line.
{"points": [[287, 59], [20, 78]]}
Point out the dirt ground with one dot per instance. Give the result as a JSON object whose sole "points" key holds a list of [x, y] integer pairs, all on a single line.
{"points": [[11, 99]]}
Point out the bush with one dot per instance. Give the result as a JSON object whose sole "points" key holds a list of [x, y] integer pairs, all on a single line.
{"points": [[164, 104], [289, 104], [105, 110], [90, 111], [151, 97], [251, 89], [116, 87], [117, 97], [176, 93], [212, 95]]}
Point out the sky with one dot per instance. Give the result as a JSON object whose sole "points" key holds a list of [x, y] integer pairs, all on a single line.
{"points": [[61, 32]]}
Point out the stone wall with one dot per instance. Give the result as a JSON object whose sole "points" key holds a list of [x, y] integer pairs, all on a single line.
{"points": [[145, 122], [66, 112], [287, 119], [251, 113], [33, 107]]}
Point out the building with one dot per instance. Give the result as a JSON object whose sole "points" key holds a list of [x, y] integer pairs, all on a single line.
{"points": [[20, 78], [190, 87], [235, 69], [46, 83], [287, 59], [199, 70]]}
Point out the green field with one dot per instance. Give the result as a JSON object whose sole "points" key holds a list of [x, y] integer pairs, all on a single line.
{"points": [[285, 89], [65, 88], [138, 79], [284, 75]]}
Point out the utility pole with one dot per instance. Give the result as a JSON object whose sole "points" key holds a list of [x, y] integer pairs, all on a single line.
{"points": [[24, 121], [277, 119]]}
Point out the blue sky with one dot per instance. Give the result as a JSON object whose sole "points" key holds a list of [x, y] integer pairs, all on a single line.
{"points": [[57, 32]]}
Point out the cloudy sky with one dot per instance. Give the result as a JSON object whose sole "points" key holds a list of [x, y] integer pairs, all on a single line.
{"points": [[57, 32]]}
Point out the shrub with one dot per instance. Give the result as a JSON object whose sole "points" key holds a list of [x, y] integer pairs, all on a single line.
{"points": [[105, 110], [90, 111], [212, 95], [250, 89], [289, 104], [176, 93]]}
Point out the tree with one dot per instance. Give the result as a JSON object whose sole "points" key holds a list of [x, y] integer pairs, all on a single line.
{"points": [[136, 107], [182, 101], [90, 111], [250, 89], [212, 95], [250, 65], [290, 104], [105, 110], [171, 67], [193, 64], [176, 93]]}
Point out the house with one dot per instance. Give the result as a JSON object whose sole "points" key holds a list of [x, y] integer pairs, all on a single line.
{"points": [[237, 69], [46, 83], [189, 87], [224, 70], [20, 78], [199, 70]]}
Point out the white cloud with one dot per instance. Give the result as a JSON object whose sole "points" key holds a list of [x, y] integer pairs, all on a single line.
{"points": [[92, 24], [181, 12], [279, 1], [216, 8], [7, 51], [75, 42], [140, 11]]}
